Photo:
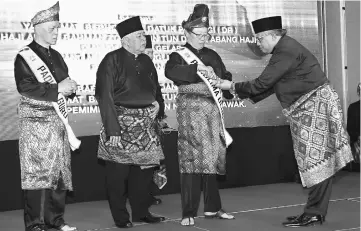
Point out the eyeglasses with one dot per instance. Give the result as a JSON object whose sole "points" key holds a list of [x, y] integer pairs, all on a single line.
{"points": [[202, 36]]}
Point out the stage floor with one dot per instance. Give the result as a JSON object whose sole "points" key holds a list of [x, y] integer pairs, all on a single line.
{"points": [[256, 208]]}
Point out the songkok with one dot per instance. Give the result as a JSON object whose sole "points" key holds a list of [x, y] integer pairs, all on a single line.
{"points": [[149, 41], [265, 24], [49, 15], [129, 26], [199, 17]]}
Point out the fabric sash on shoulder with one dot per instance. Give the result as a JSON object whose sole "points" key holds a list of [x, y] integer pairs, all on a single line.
{"points": [[43, 74], [191, 58]]}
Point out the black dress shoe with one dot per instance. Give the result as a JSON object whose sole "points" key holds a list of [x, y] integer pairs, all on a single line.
{"points": [[125, 225], [291, 218], [305, 220], [157, 201], [37, 228], [149, 219]]}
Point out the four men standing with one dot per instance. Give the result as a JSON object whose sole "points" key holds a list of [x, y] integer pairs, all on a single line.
{"points": [[131, 105]]}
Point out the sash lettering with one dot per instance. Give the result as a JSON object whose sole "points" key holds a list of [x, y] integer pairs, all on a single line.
{"points": [[43, 74]]}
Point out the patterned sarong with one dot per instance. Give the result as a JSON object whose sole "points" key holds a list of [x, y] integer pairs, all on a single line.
{"points": [[200, 147], [320, 141], [43, 146], [139, 144]]}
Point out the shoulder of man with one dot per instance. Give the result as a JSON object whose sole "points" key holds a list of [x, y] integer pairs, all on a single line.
{"points": [[114, 54], [211, 52]]}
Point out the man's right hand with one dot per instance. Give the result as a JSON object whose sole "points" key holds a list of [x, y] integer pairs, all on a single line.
{"points": [[224, 84], [113, 141], [67, 86]]}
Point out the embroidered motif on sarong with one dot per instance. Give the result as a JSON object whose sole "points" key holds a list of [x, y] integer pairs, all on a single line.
{"points": [[43, 146], [320, 141], [139, 144], [216, 92], [200, 147], [44, 75]]}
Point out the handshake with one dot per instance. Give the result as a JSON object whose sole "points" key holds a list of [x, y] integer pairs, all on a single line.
{"points": [[220, 83], [224, 84]]}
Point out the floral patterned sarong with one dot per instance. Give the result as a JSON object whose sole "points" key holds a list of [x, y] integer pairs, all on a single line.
{"points": [[320, 141]]}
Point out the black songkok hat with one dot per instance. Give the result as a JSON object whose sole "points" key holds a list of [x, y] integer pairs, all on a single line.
{"points": [[199, 17], [265, 24], [149, 41], [129, 26]]}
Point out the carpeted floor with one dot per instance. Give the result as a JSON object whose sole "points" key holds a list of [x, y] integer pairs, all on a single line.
{"points": [[256, 208]]}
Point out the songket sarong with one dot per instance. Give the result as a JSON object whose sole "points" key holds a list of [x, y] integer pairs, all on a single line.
{"points": [[139, 142], [201, 143], [320, 142], [43, 147]]}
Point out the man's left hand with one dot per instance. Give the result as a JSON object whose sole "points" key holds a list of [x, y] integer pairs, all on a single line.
{"points": [[155, 109], [223, 84]]}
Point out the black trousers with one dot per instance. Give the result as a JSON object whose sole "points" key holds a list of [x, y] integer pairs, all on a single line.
{"points": [[319, 198], [191, 185], [154, 190], [45, 206], [128, 182]]}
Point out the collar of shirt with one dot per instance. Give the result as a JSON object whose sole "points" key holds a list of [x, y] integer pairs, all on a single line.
{"points": [[279, 43], [194, 50], [41, 48], [129, 54]]}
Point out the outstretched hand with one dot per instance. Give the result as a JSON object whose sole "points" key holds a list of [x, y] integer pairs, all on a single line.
{"points": [[223, 84]]}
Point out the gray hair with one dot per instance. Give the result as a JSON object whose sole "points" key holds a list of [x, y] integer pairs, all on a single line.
{"points": [[279, 32]]}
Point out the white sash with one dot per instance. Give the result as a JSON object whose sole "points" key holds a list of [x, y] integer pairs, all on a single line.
{"points": [[191, 58], [43, 74]]}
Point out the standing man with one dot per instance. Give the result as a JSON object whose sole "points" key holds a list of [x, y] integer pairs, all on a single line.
{"points": [[41, 75], [313, 108], [202, 138], [130, 102]]}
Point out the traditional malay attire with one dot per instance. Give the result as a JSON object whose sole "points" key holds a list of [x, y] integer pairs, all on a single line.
{"points": [[313, 108], [126, 87], [44, 148], [201, 137]]}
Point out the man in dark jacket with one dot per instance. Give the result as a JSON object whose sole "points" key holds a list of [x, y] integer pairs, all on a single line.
{"points": [[41, 75], [313, 108], [131, 103]]}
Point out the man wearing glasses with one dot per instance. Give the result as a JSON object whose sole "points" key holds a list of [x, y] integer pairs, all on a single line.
{"points": [[201, 139], [313, 108]]}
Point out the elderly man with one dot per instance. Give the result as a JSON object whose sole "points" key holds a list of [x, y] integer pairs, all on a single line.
{"points": [[313, 108], [129, 98], [202, 139], [42, 79]]}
